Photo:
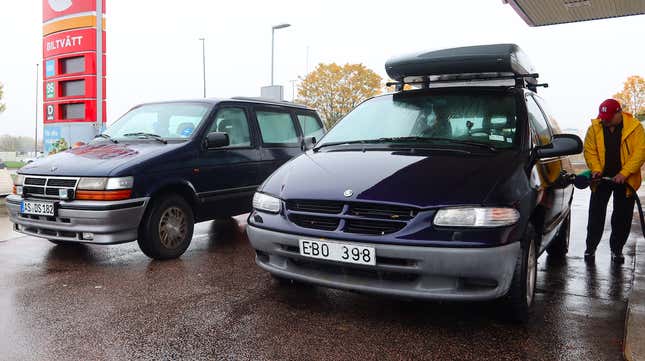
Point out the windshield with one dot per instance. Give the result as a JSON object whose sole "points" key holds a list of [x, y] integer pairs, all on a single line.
{"points": [[489, 119], [167, 120]]}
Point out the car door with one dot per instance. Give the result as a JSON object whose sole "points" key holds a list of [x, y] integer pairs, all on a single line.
{"points": [[228, 176], [549, 169], [279, 137]]}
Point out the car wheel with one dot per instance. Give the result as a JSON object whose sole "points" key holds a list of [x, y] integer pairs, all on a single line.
{"points": [[62, 243], [560, 244], [522, 291], [167, 228]]}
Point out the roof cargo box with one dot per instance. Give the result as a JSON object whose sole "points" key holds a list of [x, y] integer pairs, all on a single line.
{"points": [[506, 59]]}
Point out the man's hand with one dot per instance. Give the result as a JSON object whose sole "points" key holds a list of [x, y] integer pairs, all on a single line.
{"points": [[619, 179], [596, 175]]}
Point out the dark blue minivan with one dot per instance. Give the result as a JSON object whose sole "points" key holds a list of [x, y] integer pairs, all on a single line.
{"points": [[159, 169], [447, 189]]}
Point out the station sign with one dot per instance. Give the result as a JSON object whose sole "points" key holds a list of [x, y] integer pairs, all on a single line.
{"points": [[56, 8]]}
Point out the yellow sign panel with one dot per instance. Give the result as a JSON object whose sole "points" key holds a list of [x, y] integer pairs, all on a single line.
{"points": [[86, 21]]}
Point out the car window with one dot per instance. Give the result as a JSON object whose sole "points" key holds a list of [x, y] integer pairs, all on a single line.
{"points": [[484, 118], [234, 122], [538, 121], [549, 115], [168, 120], [310, 126], [277, 127]]}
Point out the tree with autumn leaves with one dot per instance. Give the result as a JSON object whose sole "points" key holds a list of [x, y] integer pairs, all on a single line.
{"points": [[632, 97], [334, 89]]}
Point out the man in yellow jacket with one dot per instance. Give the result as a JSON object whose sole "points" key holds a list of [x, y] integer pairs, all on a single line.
{"points": [[615, 148]]}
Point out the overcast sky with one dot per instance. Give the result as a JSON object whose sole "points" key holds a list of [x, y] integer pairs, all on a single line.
{"points": [[153, 51]]}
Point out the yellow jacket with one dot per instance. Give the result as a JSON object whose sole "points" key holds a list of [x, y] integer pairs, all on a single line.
{"points": [[632, 149]]}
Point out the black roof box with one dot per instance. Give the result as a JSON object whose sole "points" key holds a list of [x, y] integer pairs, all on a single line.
{"points": [[493, 58]]}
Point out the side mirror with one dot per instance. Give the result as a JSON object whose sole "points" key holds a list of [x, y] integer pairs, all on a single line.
{"points": [[308, 143], [217, 140], [562, 144]]}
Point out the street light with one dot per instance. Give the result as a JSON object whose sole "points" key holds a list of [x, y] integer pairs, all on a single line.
{"points": [[273, 29], [203, 40], [37, 111]]}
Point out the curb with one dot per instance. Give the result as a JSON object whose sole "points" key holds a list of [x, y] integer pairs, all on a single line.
{"points": [[634, 343]]}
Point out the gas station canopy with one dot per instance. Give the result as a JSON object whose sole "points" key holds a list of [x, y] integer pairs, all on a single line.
{"points": [[550, 12]]}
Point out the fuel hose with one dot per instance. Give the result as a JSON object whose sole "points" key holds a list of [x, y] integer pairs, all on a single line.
{"points": [[584, 180]]}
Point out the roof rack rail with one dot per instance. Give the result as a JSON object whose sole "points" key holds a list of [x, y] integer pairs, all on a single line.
{"points": [[521, 80], [268, 100]]}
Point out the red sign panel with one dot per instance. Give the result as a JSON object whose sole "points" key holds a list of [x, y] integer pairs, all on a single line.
{"points": [[71, 111], [89, 60], [72, 41], [56, 8]]}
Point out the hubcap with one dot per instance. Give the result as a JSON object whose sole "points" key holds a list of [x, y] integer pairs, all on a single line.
{"points": [[531, 273], [172, 227]]}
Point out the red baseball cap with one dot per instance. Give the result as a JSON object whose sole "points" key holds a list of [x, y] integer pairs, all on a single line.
{"points": [[608, 109]]}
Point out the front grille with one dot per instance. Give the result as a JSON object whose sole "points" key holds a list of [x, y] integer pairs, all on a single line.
{"points": [[327, 207], [374, 219], [307, 221], [382, 211], [372, 227], [60, 182], [33, 190], [36, 181], [47, 187]]}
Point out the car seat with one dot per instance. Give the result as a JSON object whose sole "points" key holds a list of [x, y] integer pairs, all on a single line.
{"points": [[185, 130], [236, 128]]}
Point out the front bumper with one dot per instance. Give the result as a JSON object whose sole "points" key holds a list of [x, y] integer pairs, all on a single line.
{"points": [[109, 222], [434, 273]]}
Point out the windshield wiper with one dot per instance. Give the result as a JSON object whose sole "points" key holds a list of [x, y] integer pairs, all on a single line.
{"points": [[372, 141], [156, 137], [105, 136], [466, 142], [410, 139], [339, 143]]}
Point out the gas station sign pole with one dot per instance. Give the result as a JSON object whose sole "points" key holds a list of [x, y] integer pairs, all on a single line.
{"points": [[74, 72]]}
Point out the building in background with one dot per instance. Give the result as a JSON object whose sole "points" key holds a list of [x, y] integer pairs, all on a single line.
{"points": [[74, 71]]}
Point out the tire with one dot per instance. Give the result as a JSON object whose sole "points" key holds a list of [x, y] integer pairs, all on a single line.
{"points": [[62, 243], [167, 228], [521, 294], [560, 244]]}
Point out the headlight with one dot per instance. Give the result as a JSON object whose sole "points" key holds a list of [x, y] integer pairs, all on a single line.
{"points": [[476, 217], [119, 183], [101, 184], [95, 184], [266, 203], [18, 179]]}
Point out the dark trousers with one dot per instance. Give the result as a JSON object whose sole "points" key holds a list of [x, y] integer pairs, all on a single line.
{"points": [[621, 217]]}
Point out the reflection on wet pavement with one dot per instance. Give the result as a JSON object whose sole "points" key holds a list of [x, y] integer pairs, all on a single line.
{"points": [[111, 302]]}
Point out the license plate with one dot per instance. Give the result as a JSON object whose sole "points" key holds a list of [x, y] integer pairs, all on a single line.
{"points": [[37, 208], [336, 251]]}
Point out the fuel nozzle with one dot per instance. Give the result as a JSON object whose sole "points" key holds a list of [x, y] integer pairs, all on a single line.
{"points": [[582, 180]]}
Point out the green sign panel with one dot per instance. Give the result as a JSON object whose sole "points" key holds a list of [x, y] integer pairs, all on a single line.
{"points": [[50, 90]]}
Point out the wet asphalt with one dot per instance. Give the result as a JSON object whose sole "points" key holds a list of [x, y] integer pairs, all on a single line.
{"points": [[112, 303]]}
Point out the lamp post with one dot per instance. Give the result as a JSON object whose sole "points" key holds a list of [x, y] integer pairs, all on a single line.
{"points": [[273, 29], [37, 111], [203, 40]]}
